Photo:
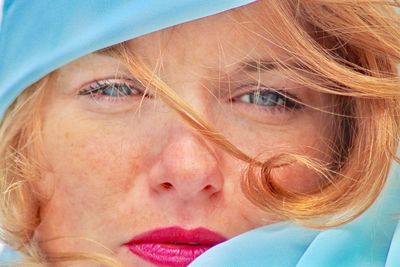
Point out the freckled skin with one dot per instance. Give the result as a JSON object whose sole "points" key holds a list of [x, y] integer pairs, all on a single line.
{"points": [[108, 168]]}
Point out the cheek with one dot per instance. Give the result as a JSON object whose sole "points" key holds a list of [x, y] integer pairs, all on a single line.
{"points": [[296, 176], [309, 138], [91, 167], [297, 179]]}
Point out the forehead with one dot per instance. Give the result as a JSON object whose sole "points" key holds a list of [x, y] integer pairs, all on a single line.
{"points": [[217, 44], [227, 38]]}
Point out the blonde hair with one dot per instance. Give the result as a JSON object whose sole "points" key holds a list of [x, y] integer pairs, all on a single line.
{"points": [[349, 49]]}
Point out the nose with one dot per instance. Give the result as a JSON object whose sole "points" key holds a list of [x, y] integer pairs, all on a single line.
{"points": [[187, 168]]}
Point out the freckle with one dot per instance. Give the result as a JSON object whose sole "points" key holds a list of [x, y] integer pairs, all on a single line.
{"points": [[129, 181]]}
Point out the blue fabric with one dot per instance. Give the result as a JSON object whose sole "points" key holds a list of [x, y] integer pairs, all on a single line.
{"points": [[371, 240], [39, 36], [8, 256]]}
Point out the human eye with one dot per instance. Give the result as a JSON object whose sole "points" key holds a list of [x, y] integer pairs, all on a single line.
{"points": [[112, 89], [269, 99]]}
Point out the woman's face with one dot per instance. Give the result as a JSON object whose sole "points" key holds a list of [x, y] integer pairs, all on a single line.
{"points": [[124, 167]]}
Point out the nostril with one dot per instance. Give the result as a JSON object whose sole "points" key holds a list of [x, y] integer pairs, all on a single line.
{"points": [[210, 191], [207, 188], [166, 185]]}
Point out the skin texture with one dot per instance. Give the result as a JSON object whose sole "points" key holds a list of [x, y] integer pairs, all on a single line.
{"points": [[120, 167]]}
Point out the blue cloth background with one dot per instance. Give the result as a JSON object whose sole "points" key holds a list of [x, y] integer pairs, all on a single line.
{"points": [[38, 36]]}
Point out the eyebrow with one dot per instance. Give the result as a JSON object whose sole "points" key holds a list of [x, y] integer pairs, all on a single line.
{"points": [[263, 65], [259, 65]]}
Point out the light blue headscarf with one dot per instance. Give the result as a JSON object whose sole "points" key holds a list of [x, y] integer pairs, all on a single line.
{"points": [[39, 36]]}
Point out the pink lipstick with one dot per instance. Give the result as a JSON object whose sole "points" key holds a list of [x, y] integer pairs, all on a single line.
{"points": [[173, 246]]}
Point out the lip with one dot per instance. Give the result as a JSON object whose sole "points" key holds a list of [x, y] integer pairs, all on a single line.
{"points": [[173, 246]]}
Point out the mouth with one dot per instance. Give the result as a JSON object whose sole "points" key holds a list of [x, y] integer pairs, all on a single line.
{"points": [[173, 246]]}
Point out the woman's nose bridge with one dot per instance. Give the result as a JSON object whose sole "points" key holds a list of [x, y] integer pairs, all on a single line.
{"points": [[190, 165], [187, 154]]}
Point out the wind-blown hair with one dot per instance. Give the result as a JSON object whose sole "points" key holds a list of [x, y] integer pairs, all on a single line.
{"points": [[349, 49]]}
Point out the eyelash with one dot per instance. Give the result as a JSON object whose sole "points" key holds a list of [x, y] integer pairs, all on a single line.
{"points": [[276, 99], [279, 100], [117, 90]]}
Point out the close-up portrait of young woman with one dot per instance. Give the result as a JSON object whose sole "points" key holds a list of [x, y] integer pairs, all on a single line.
{"points": [[199, 133]]}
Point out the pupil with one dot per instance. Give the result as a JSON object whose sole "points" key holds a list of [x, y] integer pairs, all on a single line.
{"points": [[267, 99], [117, 90]]}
